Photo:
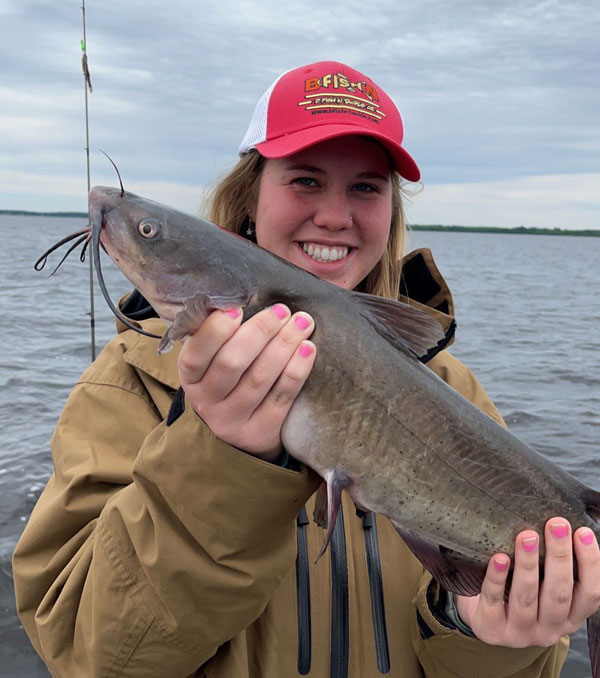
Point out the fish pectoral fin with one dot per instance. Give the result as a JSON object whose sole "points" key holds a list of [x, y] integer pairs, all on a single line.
{"points": [[329, 504], [404, 326], [194, 312], [455, 571]]}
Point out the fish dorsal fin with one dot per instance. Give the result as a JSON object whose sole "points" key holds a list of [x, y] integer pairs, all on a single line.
{"points": [[404, 326]]}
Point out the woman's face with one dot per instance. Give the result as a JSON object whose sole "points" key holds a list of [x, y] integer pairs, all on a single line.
{"points": [[328, 208]]}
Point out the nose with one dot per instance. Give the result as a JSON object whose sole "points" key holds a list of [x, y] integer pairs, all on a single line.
{"points": [[333, 211]]}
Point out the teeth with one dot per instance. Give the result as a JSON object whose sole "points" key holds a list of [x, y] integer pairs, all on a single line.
{"points": [[325, 254]]}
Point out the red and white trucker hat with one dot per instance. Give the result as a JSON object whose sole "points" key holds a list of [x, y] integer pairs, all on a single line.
{"points": [[321, 101]]}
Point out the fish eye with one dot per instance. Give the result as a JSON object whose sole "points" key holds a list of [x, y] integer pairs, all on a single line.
{"points": [[148, 228]]}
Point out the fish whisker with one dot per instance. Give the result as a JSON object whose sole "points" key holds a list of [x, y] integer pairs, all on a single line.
{"points": [[73, 246], [41, 262], [112, 162], [85, 244]]}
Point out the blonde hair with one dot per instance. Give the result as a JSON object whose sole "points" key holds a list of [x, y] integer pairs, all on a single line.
{"points": [[228, 207]]}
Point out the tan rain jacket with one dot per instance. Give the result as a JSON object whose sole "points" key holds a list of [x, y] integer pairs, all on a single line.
{"points": [[159, 551]]}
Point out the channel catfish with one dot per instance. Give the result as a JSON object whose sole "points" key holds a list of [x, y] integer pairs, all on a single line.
{"points": [[371, 419]]}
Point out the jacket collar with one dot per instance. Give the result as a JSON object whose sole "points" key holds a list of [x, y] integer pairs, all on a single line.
{"points": [[423, 286], [142, 351]]}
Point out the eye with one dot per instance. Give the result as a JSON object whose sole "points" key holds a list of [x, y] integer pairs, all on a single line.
{"points": [[305, 181], [148, 228], [365, 188]]}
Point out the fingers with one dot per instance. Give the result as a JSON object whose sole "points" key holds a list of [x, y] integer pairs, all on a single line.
{"points": [[279, 369], [285, 390], [201, 347], [488, 619], [492, 589], [524, 590], [242, 378], [538, 615], [557, 589], [586, 595]]}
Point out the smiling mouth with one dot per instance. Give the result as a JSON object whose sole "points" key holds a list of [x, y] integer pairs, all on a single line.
{"points": [[324, 254]]}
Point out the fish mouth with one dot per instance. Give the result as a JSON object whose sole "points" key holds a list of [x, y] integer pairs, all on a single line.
{"points": [[324, 253]]}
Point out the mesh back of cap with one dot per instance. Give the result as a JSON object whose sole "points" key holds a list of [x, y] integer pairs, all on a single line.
{"points": [[257, 131]]}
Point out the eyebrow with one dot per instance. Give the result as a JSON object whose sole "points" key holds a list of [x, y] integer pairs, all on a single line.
{"points": [[305, 168], [318, 170]]}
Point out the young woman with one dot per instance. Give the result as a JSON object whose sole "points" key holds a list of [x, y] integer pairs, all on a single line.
{"points": [[172, 538]]}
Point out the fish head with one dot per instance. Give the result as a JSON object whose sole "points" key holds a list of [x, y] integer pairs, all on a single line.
{"points": [[169, 256]]}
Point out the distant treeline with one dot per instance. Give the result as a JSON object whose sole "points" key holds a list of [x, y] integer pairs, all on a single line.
{"points": [[414, 227], [25, 213], [496, 229]]}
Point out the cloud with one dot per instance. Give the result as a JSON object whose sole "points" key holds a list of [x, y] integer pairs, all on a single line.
{"points": [[485, 92], [569, 201], [68, 192]]}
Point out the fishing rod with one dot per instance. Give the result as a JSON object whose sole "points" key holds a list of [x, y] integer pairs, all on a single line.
{"points": [[88, 83]]}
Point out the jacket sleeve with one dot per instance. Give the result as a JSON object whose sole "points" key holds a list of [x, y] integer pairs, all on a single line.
{"points": [[448, 653], [152, 544]]}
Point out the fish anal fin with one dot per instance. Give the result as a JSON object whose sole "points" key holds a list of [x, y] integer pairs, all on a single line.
{"points": [[403, 325], [337, 481], [194, 312], [454, 571]]}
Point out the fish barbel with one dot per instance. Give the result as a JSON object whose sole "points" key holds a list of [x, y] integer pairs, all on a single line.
{"points": [[371, 419]]}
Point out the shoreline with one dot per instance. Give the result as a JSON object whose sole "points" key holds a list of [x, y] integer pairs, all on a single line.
{"points": [[518, 230]]}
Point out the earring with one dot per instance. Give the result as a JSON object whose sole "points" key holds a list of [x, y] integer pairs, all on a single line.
{"points": [[250, 228]]}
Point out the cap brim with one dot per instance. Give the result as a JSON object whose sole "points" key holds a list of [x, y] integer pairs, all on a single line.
{"points": [[298, 141]]}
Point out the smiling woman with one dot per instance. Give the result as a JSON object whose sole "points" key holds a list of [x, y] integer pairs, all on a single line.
{"points": [[165, 541], [333, 197]]}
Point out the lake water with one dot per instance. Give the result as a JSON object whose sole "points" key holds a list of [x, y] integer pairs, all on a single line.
{"points": [[528, 326]]}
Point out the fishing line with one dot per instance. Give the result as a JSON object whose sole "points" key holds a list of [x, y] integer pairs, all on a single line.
{"points": [[88, 83]]}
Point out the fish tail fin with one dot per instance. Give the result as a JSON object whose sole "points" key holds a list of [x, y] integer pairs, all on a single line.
{"points": [[336, 482], [593, 634]]}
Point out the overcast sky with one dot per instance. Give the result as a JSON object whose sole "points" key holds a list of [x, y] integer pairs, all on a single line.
{"points": [[501, 101]]}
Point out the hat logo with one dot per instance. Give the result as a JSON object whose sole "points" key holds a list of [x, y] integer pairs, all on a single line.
{"points": [[348, 101]]}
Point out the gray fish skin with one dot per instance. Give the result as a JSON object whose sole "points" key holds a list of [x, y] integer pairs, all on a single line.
{"points": [[371, 419]]}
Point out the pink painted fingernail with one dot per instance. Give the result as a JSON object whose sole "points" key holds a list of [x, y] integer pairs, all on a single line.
{"points": [[530, 544], [305, 350], [559, 530], [279, 310], [301, 322], [587, 537], [232, 312], [501, 563]]}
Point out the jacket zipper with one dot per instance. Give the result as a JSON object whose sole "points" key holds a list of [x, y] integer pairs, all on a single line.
{"points": [[376, 584], [338, 667], [303, 593]]}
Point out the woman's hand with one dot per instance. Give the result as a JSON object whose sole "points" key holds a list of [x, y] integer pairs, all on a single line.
{"points": [[242, 379], [537, 614]]}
